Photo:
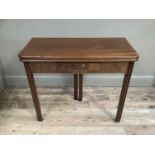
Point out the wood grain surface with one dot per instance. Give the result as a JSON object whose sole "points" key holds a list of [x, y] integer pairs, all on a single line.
{"points": [[78, 49]]}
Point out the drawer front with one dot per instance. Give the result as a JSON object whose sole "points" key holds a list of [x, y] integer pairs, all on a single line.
{"points": [[61, 67], [114, 67], [43, 67], [94, 67], [72, 67]]}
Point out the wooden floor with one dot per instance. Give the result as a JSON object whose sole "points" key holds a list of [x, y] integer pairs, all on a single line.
{"points": [[63, 115]]}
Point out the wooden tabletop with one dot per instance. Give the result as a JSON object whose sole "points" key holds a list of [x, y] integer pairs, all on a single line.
{"points": [[78, 50]]}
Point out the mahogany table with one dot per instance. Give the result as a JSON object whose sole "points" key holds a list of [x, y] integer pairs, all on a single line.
{"points": [[78, 56]]}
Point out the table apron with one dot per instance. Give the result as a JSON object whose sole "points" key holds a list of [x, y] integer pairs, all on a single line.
{"points": [[78, 67]]}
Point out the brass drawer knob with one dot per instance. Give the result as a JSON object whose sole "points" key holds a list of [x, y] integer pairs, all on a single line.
{"points": [[83, 65]]}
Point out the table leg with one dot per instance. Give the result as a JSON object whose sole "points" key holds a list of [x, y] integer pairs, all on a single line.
{"points": [[76, 85], [124, 90], [33, 91], [80, 86]]}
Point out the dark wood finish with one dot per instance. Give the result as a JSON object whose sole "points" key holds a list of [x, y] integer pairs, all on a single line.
{"points": [[72, 67], [78, 56], [78, 67], [80, 86], [33, 91], [78, 50], [115, 67], [94, 67], [41, 67], [76, 86], [124, 90]]}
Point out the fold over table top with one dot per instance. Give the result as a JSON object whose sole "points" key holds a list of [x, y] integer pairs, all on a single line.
{"points": [[78, 50]]}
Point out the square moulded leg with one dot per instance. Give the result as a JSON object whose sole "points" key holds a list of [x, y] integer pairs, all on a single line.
{"points": [[78, 86], [34, 93], [124, 90]]}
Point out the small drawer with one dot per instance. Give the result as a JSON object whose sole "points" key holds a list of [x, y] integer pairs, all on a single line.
{"points": [[94, 67], [71, 67], [78, 67]]}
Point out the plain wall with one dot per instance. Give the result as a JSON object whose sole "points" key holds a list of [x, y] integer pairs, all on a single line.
{"points": [[1, 79], [15, 34]]}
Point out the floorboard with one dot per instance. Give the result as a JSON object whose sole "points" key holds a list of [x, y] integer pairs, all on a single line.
{"points": [[63, 115]]}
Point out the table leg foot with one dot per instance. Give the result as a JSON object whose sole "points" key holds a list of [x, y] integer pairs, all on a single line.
{"points": [[40, 119]]}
